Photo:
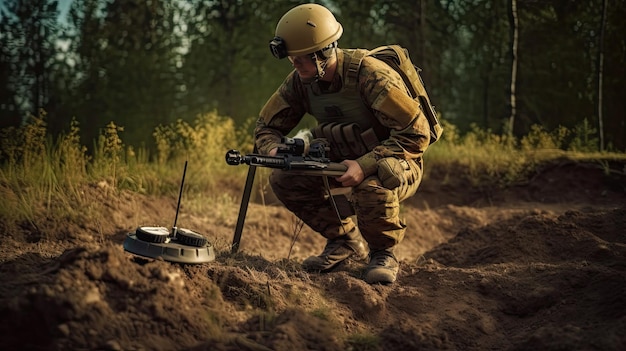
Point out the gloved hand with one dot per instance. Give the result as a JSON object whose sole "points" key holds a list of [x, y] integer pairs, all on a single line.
{"points": [[394, 172]]}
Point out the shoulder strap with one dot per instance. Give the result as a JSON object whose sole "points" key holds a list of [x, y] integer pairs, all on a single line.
{"points": [[398, 59], [352, 65]]}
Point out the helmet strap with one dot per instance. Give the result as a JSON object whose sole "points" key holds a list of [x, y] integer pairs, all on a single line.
{"points": [[320, 65], [321, 58]]}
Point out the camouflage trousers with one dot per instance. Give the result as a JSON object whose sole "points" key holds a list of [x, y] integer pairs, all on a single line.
{"points": [[376, 208]]}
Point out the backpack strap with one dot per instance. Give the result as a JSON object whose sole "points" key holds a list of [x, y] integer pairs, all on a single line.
{"points": [[352, 70], [398, 58]]}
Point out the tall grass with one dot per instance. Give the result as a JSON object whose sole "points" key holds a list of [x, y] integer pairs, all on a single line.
{"points": [[42, 175], [489, 159], [37, 174]]}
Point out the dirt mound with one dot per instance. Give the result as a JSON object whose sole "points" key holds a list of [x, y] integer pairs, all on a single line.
{"points": [[519, 269]]}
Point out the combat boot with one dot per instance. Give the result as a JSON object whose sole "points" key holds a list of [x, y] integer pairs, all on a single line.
{"points": [[336, 251], [383, 267]]}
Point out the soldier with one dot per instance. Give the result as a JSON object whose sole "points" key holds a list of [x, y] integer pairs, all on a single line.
{"points": [[374, 127]]}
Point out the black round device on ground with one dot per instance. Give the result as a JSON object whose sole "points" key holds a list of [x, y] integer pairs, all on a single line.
{"points": [[190, 238], [186, 246], [152, 234], [179, 245]]}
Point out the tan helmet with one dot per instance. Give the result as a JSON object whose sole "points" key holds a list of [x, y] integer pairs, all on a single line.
{"points": [[305, 29]]}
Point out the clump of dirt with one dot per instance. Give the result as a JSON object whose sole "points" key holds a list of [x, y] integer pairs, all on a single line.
{"points": [[538, 266]]}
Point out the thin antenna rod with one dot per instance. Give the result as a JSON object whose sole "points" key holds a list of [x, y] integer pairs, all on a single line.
{"points": [[180, 195]]}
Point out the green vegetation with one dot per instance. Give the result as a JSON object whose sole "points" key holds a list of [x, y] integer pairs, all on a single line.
{"points": [[42, 175], [364, 342], [490, 159], [87, 60]]}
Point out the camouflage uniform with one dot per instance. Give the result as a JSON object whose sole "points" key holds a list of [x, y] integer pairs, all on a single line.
{"points": [[378, 100]]}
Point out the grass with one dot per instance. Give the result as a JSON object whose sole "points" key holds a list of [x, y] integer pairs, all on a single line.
{"points": [[364, 342], [491, 159], [42, 174]]}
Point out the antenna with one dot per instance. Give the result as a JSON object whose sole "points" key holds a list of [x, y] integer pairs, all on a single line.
{"points": [[178, 245], [180, 195]]}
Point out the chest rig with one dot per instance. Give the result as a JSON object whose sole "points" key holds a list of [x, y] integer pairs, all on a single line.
{"points": [[343, 119]]}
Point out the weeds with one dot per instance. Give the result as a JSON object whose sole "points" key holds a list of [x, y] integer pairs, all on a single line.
{"points": [[490, 159], [297, 226], [364, 342], [42, 174]]}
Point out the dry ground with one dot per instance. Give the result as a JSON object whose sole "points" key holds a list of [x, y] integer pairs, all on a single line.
{"points": [[541, 266]]}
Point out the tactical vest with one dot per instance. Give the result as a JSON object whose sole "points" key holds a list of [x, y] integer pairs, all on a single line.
{"points": [[343, 118]]}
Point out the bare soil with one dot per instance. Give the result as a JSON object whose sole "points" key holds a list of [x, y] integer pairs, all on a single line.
{"points": [[539, 266]]}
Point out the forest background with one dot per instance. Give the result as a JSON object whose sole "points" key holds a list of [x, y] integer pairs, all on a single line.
{"points": [[142, 63]]}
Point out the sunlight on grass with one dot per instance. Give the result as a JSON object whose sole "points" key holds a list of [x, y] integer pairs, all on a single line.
{"points": [[42, 175], [45, 175], [490, 159]]}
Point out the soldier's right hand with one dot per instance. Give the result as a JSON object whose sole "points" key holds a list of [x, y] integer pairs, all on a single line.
{"points": [[354, 174]]}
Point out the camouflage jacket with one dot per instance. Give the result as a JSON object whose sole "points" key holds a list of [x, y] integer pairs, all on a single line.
{"points": [[383, 93]]}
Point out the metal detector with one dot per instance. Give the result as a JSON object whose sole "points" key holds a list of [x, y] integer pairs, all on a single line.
{"points": [[175, 245]]}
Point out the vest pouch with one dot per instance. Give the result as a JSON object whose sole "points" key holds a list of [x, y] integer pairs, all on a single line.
{"points": [[346, 139], [324, 131], [370, 139], [340, 140], [352, 133]]}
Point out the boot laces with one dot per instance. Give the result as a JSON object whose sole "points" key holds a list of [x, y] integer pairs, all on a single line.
{"points": [[382, 258], [332, 245]]}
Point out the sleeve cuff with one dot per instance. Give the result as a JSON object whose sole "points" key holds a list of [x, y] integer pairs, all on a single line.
{"points": [[368, 163]]}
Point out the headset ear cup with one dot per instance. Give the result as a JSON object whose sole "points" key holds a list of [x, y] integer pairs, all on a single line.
{"points": [[278, 48]]}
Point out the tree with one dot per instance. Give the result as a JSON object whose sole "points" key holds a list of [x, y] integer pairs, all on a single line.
{"points": [[28, 38], [514, 40], [9, 109], [600, 72], [228, 65], [128, 52], [614, 77]]}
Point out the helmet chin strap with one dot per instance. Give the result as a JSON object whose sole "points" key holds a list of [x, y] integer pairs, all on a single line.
{"points": [[322, 63]]}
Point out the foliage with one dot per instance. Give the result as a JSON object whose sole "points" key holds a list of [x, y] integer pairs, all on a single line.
{"points": [[38, 172], [585, 139], [133, 89], [364, 342], [203, 144], [41, 174], [143, 64], [491, 159]]}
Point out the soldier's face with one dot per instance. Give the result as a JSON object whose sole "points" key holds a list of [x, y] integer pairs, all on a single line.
{"points": [[304, 65]]}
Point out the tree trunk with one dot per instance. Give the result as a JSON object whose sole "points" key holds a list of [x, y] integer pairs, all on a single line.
{"points": [[600, 73], [514, 38]]}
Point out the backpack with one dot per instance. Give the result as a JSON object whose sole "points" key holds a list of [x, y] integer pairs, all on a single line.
{"points": [[398, 59]]}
